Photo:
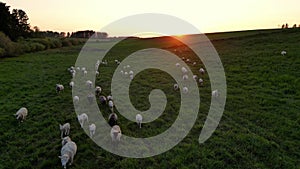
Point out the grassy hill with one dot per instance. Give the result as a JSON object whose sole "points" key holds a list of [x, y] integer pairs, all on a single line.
{"points": [[260, 127]]}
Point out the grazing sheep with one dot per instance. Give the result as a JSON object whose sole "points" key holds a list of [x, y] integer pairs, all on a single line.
{"points": [[139, 119], [112, 119], [65, 140], [97, 66], [185, 77], [97, 73], [131, 77], [184, 70], [75, 99], [177, 64], [90, 98], [109, 97], [59, 88], [85, 73], [130, 72], [194, 63], [73, 74], [71, 84], [111, 105], [98, 90], [283, 53], [188, 60], [83, 69], [185, 90], [115, 133], [201, 81], [65, 129], [176, 87], [122, 72], [195, 77], [125, 73], [68, 151], [89, 84], [104, 62], [78, 68], [82, 118], [215, 93], [21, 114], [103, 100], [201, 70], [92, 129], [128, 66]]}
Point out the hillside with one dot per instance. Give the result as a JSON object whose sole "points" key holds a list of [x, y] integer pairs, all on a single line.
{"points": [[260, 127]]}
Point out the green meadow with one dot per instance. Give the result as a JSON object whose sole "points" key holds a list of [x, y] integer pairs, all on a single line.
{"points": [[260, 127]]}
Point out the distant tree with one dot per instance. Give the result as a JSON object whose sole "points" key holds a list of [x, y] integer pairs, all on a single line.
{"points": [[36, 29], [62, 34], [283, 26], [6, 20], [295, 26], [68, 34]]}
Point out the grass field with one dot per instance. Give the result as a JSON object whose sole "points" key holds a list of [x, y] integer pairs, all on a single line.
{"points": [[260, 127]]}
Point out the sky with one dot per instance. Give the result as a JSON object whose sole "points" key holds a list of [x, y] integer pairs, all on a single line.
{"points": [[206, 15]]}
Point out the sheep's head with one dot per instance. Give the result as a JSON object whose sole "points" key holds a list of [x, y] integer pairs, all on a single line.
{"points": [[64, 160]]}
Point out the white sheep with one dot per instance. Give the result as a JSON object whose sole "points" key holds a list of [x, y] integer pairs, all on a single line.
{"points": [[131, 77], [130, 72], [201, 70], [98, 90], [21, 114], [215, 93], [111, 105], [65, 140], [128, 66], [75, 99], [187, 60], [185, 90], [82, 118], [184, 70], [64, 129], [115, 133], [185, 77], [194, 63], [139, 119], [85, 73], [195, 77], [90, 98], [125, 73], [78, 68], [89, 84], [59, 88], [122, 72], [92, 129], [71, 84], [68, 151], [283, 52], [83, 69], [201, 81], [109, 97], [97, 73], [177, 64], [176, 87]]}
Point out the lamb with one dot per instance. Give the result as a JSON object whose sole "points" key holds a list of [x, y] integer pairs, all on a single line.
{"points": [[75, 99], [201, 70], [89, 84], [65, 129], [82, 118], [65, 140], [115, 133], [68, 151], [92, 129], [185, 90], [59, 88], [176, 87], [21, 114], [139, 119], [283, 53], [98, 90], [215, 93], [113, 119], [71, 84], [103, 100]]}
